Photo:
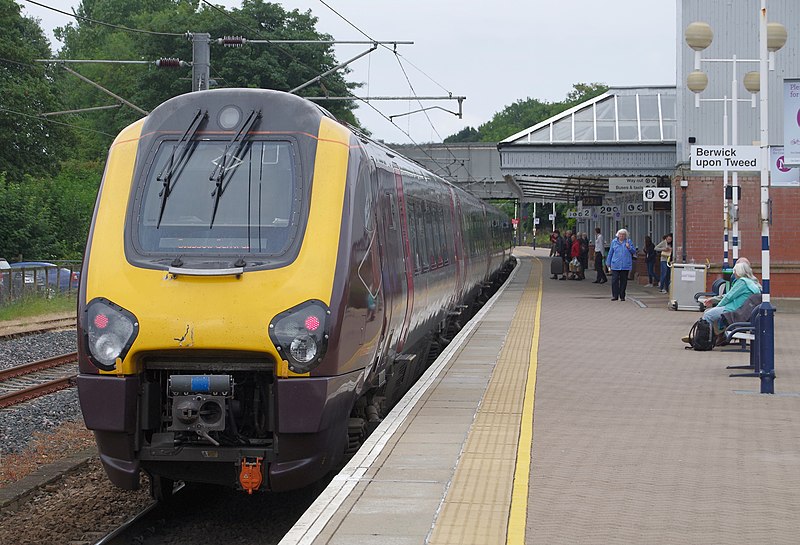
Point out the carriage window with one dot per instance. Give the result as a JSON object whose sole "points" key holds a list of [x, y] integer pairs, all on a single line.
{"points": [[412, 234]]}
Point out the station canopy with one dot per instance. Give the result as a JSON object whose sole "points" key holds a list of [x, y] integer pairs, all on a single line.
{"points": [[627, 132]]}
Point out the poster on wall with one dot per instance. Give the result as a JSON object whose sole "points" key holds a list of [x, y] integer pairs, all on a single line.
{"points": [[791, 122], [781, 175]]}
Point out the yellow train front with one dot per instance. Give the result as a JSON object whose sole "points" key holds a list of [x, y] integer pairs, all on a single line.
{"points": [[246, 296]]}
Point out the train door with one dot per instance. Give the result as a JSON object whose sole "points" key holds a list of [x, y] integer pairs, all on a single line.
{"points": [[395, 285], [459, 254], [407, 258]]}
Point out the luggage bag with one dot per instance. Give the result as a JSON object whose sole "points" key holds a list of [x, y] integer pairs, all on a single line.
{"points": [[556, 265]]}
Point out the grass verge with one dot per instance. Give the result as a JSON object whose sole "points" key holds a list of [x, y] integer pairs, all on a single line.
{"points": [[37, 306]]}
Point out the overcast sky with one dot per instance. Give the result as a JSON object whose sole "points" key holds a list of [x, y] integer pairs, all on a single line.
{"points": [[494, 53]]}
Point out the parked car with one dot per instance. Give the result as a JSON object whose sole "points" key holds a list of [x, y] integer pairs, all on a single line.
{"points": [[44, 275]]}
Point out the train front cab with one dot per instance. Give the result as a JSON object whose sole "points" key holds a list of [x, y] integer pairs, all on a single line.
{"points": [[196, 383]]}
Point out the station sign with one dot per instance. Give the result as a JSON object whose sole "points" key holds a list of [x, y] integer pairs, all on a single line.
{"points": [[536, 221], [620, 185], [717, 158], [551, 217], [781, 174], [656, 194]]}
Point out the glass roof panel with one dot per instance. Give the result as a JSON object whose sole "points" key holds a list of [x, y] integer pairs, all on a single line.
{"points": [[648, 107], [562, 130]]}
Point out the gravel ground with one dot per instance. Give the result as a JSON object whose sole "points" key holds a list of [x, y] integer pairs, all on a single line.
{"points": [[36, 347], [18, 423], [78, 509]]}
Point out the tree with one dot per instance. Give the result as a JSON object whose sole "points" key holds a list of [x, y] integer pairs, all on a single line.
{"points": [[266, 66], [29, 144], [467, 134]]}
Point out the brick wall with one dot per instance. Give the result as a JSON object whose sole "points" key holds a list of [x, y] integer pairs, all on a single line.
{"points": [[704, 228]]}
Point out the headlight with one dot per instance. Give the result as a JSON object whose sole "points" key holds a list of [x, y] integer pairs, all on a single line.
{"points": [[111, 331], [301, 336]]}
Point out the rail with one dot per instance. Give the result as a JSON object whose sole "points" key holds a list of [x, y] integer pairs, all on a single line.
{"points": [[26, 393]]}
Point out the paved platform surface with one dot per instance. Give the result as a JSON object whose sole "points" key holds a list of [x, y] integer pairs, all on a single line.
{"points": [[634, 439]]}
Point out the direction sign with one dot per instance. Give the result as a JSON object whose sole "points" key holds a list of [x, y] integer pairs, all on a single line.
{"points": [[656, 193]]}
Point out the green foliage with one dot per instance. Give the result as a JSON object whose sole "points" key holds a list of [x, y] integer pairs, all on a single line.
{"points": [[28, 143], [48, 218], [467, 134], [265, 66]]}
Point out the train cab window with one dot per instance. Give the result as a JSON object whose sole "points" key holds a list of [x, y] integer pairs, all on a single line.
{"points": [[252, 206]]}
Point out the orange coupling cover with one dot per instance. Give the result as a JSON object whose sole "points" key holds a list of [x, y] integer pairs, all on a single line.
{"points": [[250, 475]]}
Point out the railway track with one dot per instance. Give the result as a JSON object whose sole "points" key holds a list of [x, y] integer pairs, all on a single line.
{"points": [[32, 380], [17, 328]]}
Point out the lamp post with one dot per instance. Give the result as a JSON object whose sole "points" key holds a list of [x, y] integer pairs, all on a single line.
{"points": [[772, 37], [699, 36], [766, 310]]}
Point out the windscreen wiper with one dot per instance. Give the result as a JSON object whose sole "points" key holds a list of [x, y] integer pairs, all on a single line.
{"points": [[239, 140], [172, 165]]}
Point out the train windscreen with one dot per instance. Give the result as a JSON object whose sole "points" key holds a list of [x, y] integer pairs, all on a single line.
{"points": [[215, 199]]}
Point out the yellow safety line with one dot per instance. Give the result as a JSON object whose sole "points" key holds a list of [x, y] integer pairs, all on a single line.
{"points": [[519, 496]]}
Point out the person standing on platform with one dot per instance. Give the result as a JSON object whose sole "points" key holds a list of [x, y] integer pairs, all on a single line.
{"points": [[620, 261], [665, 247], [599, 249], [650, 261]]}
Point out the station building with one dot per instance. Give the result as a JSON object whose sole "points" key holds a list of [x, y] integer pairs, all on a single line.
{"points": [[600, 154]]}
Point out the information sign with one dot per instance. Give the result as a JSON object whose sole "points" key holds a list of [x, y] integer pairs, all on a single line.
{"points": [[780, 174], [656, 194], [791, 122], [619, 185]]}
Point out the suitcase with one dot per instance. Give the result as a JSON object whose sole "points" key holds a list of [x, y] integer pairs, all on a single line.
{"points": [[556, 265]]}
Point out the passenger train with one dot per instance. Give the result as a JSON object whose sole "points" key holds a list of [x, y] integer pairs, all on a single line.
{"points": [[260, 284]]}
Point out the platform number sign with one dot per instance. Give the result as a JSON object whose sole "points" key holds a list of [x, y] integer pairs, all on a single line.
{"points": [[609, 210], [581, 213], [656, 193]]}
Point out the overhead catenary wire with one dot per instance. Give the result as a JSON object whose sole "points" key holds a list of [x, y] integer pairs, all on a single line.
{"points": [[301, 63], [393, 50], [413, 91], [95, 21], [40, 118]]}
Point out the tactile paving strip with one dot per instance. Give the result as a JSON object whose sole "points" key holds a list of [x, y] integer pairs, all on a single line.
{"points": [[477, 506]]}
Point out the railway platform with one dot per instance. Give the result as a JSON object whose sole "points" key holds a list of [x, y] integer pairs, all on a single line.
{"points": [[562, 417]]}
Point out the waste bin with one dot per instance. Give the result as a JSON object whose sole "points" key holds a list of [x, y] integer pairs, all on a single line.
{"points": [[687, 279]]}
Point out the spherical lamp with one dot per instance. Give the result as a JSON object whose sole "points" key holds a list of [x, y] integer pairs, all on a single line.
{"points": [[699, 35], [752, 82], [776, 36], [697, 81]]}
